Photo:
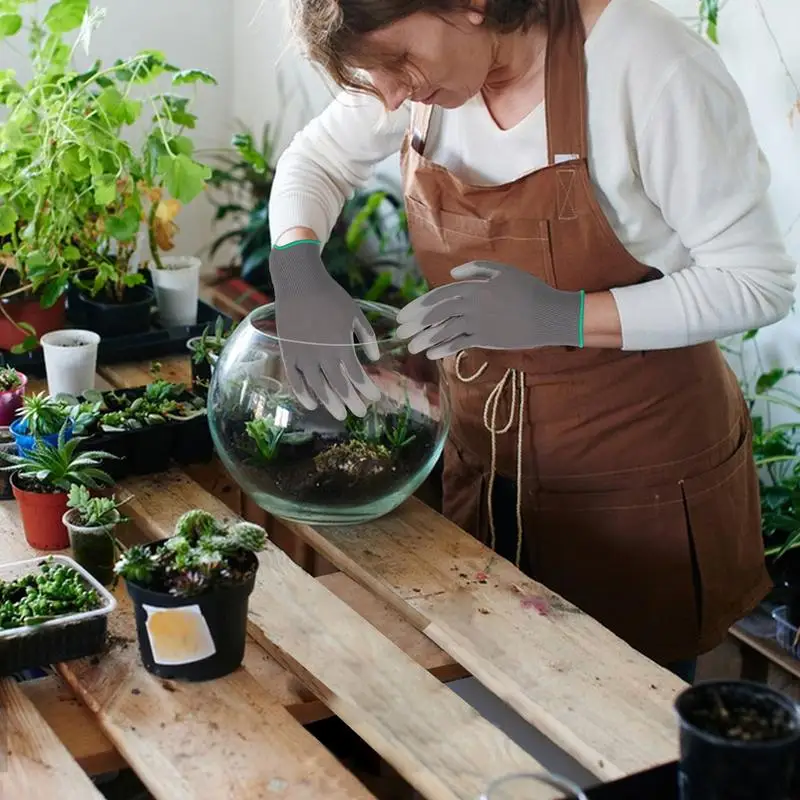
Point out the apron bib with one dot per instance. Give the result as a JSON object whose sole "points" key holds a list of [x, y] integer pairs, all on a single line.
{"points": [[636, 490]]}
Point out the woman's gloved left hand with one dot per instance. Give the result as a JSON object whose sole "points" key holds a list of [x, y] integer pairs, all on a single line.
{"points": [[491, 306]]}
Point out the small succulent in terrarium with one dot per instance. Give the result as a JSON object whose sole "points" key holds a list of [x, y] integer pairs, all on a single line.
{"points": [[203, 554]]}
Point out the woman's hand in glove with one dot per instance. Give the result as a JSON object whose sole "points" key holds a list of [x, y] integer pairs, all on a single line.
{"points": [[315, 320], [491, 306]]}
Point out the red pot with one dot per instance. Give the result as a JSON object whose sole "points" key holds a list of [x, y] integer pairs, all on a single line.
{"points": [[43, 320], [11, 400], [42, 518]]}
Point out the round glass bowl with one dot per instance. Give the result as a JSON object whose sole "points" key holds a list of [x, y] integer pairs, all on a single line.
{"points": [[307, 466]]}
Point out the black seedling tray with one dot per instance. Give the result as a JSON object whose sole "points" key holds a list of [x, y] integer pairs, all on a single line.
{"points": [[156, 343], [153, 448]]}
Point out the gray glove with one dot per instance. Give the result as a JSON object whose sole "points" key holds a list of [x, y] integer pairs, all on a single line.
{"points": [[501, 308], [316, 319]]}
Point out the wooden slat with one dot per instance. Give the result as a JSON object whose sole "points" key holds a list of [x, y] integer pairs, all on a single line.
{"points": [[435, 740], [33, 762], [224, 738], [173, 368], [600, 700], [74, 725]]}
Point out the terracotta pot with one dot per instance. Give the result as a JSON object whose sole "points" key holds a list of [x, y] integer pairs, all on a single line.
{"points": [[43, 320], [42, 518], [11, 400]]}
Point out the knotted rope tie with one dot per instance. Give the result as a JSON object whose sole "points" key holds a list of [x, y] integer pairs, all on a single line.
{"points": [[516, 379]]}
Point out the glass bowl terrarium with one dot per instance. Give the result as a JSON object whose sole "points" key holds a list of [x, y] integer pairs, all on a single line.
{"points": [[308, 466]]}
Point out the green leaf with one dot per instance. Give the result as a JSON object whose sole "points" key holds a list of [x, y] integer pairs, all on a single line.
{"points": [[10, 24], [66, 15], [193, 76], [105, 192], [119, 109], [125, 226], [8, 218], [185, 179], [25, 346], [71, 253], [75, 165], [53, 290], [181, 144], [769, 379]]}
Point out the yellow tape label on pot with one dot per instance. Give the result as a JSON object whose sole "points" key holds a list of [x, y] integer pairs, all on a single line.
{"points": [[178, 635]]}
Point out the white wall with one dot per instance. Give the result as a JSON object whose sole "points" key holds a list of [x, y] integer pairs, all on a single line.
{"points": [[193, 34]]}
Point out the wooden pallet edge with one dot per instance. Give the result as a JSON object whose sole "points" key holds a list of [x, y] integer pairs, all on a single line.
{"points": [[33, 760]]}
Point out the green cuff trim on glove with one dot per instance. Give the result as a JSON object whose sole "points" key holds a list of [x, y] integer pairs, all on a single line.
{"points": [[580, 318], [293, 244]]}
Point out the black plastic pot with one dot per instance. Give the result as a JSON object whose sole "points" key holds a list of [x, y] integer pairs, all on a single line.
{"points": [[717, 767], [223, 611], [192, 443], [103, 315], [150, 448], [788, 581]]}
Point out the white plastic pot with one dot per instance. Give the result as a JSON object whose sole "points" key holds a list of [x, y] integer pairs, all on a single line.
{"points": [[177, 289], [70, 360]]}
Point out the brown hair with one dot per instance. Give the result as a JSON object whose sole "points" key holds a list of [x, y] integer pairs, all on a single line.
{"points": [[332, 31]]}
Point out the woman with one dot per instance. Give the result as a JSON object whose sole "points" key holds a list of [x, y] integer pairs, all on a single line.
{"points": [[587, 200]]}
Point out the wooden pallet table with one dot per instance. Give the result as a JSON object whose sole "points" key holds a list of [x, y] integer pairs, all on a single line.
{"points": [[415, 595]]}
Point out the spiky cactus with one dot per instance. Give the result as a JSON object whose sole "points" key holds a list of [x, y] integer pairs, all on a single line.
{"points": [[197, 524], [247, 536]]}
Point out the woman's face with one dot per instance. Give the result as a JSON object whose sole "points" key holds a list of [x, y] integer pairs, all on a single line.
{"points": [[430, 59]]}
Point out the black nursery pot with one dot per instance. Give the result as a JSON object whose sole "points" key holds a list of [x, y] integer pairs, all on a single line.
{"points": [[108, 318], [219, 618], [715, 766]]}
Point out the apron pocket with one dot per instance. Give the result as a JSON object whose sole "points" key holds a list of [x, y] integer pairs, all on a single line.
{"points": [[723, 512], [623, 557]]}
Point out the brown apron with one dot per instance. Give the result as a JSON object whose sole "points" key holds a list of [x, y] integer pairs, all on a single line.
{"points": [[637, 493]]}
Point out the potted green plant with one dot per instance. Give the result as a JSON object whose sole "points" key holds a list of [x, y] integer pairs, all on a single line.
{"points": [[205, 350], [12, 392], [41, 479], [91, 521], [190, 595], [41, 416], [74, 192]]}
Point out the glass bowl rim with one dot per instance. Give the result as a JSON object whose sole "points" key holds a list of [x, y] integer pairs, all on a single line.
{"points": [[267, 311]]}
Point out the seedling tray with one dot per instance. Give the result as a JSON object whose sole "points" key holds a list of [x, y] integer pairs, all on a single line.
{"points": [[158, 342], [153, 448], [60, 639]]}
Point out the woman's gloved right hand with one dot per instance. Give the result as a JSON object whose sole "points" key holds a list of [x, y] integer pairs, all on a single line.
{"points": [[316, 319]]}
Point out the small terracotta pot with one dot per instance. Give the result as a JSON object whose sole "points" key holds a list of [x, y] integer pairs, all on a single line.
{"points": [[43, 320], [11, 400], [42, 518]]}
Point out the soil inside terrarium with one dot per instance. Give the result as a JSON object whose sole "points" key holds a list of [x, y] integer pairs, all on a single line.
{"points": [[740, 718], [335, 470]]}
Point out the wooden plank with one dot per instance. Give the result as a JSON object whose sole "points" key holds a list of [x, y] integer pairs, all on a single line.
{"points": [[224, 738], [768, 649], [74, 725], [173, 368], [435, 740], [600, 700], [33, 761]]}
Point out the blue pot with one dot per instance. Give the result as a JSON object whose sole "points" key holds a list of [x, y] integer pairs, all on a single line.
{"points": [[26, 442]]}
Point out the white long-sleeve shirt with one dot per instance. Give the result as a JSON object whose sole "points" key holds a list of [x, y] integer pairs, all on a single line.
{"points": [[673, 157]]}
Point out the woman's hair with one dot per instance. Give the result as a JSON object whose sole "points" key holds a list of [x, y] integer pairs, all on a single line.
{"points": [[332, 31]]}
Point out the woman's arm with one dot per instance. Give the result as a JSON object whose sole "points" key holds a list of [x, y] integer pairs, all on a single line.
{"points": [[700, 164], [331, 157]]}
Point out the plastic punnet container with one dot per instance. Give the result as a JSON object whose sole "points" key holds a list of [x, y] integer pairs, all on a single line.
{"points": [[59, 639], [788, 635]]}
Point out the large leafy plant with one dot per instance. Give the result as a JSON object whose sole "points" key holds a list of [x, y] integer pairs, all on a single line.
{"points": [[776, 446], [74, 192]]}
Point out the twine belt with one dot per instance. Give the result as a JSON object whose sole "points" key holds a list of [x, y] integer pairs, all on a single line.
{"points": [[516, 380]]}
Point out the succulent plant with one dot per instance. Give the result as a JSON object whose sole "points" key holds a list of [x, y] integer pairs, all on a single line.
{"points": [[201, 555]]}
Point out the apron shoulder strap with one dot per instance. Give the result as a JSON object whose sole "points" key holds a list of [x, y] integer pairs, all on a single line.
{"points": [[565, 86]]}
